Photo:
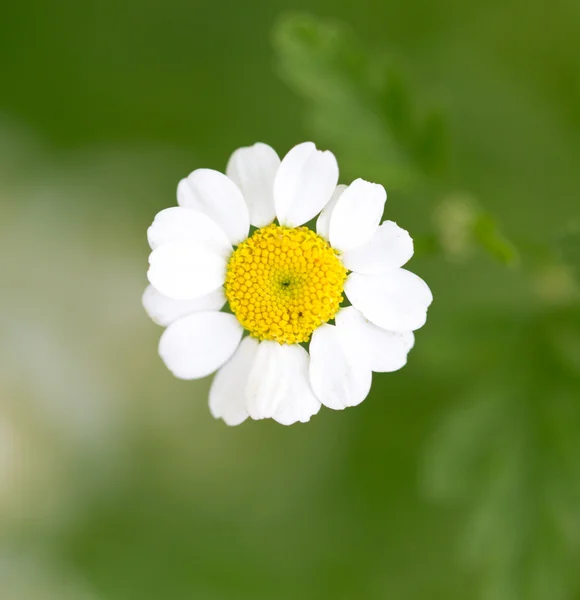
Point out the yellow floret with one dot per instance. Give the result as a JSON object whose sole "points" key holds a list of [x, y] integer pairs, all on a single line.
{"points": [[283, 283]]}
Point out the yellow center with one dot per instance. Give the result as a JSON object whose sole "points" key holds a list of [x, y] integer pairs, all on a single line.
{"points": [[283, 283]]}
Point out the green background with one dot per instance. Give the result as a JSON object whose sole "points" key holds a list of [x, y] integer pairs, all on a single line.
{"points": [[459, 476]]}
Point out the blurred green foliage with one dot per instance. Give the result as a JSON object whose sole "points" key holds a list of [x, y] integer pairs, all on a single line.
{"points": [[509, 452], [458, 477], [359, 104]]}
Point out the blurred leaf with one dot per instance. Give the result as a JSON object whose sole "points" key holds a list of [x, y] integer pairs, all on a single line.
{"points": [[487, 233], [358, 105], [511, 455]]}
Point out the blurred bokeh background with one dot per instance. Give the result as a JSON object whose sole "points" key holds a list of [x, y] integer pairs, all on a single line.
{"points": [[459, 476]]}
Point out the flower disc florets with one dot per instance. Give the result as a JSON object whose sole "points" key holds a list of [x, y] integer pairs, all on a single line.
{"points": [[283, 283]]}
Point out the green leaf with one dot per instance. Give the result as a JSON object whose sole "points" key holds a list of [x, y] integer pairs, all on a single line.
{"points": [[509, 454]]}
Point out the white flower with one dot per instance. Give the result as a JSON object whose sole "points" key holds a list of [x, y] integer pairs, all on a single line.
{"points": [[284, 284]]}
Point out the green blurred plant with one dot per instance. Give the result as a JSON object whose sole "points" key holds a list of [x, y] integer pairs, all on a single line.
{"points": [[508, 452], [359, 106]]}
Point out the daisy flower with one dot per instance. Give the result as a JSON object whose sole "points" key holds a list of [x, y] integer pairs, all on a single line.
{"points": [[239, 241]]}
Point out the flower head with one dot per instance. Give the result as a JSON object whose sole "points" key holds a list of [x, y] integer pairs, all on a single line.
{"points": [[283, 283]]}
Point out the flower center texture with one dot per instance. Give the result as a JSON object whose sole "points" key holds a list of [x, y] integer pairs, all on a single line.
{"points": [[283, 283]]}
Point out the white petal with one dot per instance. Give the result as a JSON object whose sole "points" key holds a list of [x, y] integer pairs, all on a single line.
{"points": [[304, 184], [253, 169], [323, 221], [357, 214], [164, 310], [338, 378], [227, 397], [383, 351], [199, 344], [300, 403], [396, 301], [389, 248], [216, 195], [185, 270], [278, 385], [266, 386], [178, 223]]}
